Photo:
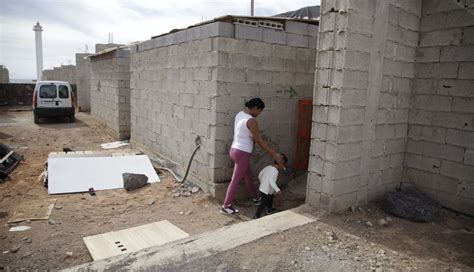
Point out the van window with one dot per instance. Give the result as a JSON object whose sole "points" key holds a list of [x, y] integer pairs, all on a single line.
{"points": [[63, 91], [47, 91]]}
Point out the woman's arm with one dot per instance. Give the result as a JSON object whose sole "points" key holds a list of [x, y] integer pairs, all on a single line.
{"points": [[252, 125]]}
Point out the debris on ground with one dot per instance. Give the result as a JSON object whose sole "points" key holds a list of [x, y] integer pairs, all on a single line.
{"points": [[20, 228], [69, 254], [28, 240], [104, 171], [133, 181], [410, 203], [9, 159], [116, 144], [51, 222], [15, 249], [195, 189], [152, 202]]}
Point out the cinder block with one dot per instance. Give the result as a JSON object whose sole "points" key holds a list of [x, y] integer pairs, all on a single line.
{"points": [[349, 134], [469, 157], [313, 30], [347, 169], [463, 105], [259, 49], [468, 35], [351, 116], [453, 120], [423, 163], [248, 32], [297, 40], [259, 76], [296, 27], [457, 170], [357, 60], [430, 54], [146, 45], [224, 74], [441, 38], [274, 36], [360, 23], [231, 45], [428, 133], [457, 53], [459, 18], [348, 152], [193, 33], [409, 21], [433, 22], [432, 102], [180, 36], [355, 79], [216, 29], [466, 70], [460, 138], [448, 152]]}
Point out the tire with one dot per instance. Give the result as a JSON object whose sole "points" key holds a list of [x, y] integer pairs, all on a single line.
{"points": [[72, 118], [37, 119]]}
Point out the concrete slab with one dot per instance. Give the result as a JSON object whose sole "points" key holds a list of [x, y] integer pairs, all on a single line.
{"points": [[201, 245]]}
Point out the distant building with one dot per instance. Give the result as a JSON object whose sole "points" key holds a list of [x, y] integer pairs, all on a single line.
{"points": [[4, 75]]}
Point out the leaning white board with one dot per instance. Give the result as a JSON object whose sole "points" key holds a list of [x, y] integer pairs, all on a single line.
{"points": [[133, 239], [78, 174]]}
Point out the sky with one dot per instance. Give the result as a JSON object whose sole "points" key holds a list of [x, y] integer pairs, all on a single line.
{"points": [[71, 25]]}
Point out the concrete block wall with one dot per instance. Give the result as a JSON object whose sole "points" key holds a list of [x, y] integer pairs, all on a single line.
{"points": [[4, 75], [62, 73], [440, 147], [364, 74], [192, 83], [110, 91], [83, 82]]}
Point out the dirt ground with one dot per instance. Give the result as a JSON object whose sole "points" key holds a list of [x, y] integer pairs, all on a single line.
{"points": [[342, 241]]}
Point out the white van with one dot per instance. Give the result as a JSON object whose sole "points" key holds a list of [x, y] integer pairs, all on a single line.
{"points": [[53, 98]]}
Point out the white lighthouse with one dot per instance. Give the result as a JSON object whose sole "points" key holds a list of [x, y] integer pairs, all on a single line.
{"points": [[39, 50]]}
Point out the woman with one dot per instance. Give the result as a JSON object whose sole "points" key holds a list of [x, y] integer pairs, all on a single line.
{"points": [[246, 132]]}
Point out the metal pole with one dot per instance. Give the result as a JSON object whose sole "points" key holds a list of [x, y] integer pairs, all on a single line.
{"points": [[251, 7]]}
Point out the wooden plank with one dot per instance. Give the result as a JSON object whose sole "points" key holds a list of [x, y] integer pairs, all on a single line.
{"points": [[202, 245], [133, 239]]}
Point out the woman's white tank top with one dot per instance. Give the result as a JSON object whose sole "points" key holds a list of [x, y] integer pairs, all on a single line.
{"points": [[243, 139]]}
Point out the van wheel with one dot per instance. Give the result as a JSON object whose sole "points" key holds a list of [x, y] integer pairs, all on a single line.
{"points": [[72, 118], [37, 119]]}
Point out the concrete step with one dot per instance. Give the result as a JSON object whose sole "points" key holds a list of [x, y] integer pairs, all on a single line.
{"points": [[200, 245]]}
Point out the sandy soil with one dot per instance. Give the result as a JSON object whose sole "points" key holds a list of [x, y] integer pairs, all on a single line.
{"points": [[335, 242]]}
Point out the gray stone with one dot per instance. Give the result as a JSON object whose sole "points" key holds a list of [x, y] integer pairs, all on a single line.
{"points": [[134, 181], [195, 189], [51, 222], [412, 204], [15, 249]]}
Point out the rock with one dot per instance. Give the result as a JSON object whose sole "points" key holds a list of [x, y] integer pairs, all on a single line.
{"points": [[28, 221], [176, 194], [27, 240], [368, 224], [58, 207], [151, 202], [6, 252], [134, 181], [51, 222], [188, 212], [187, 194], [307, 248], [15, 249], [181, 213], [69, 254], [382, 222], [412, 204], [195, 189]]}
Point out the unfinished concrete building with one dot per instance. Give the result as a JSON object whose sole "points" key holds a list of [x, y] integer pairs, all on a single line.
{"points": [[83, 82], [393, 102], [110, 90], [192, 83], [4, 75]]}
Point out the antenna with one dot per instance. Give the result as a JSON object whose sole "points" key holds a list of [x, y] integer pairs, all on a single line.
{"points": [[252, 7]]}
